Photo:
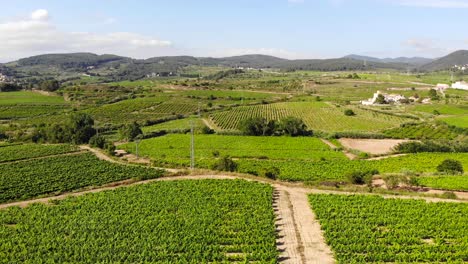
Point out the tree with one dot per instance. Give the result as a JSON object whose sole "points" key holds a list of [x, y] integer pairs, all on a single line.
{"points": [[450, 166], [225, 164], [292, 126], [80, 128], [433, 94], [380, 99], [50, 85], [257, 126], [349, 112], [130, 131]]}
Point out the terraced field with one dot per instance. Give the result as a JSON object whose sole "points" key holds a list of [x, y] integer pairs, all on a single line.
{"points": [[316, 115]]}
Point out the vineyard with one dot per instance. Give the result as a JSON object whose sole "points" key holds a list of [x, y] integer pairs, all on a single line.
{"points": [[176, 125], [31, 178], [28, 151], [316, 115], [298, 159], [176, 147], [371, 229], [421, 131], [456, 183], [200, 221]]}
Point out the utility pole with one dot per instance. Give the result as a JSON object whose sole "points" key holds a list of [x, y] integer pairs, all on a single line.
{"points": [[192, 146]]}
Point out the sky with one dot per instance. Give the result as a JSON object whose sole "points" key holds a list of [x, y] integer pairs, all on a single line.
{"points": [[293, 29]]}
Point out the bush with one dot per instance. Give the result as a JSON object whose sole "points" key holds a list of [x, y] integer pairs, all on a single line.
{"points": [[97, 141], [349, 112], [361, 177], [207, 131], [450, 166], [270, 173], [449, 195], [225, 164]]}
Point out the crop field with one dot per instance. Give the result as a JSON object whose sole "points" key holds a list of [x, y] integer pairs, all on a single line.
{"points": [[371, 229], [176, 148], [316, 115], [421, 131], [202, 221], [459, 121], [27, 151], [176, 125], [32, 178], [27, 97], [455, 183], [443, 109], [298, 159]]}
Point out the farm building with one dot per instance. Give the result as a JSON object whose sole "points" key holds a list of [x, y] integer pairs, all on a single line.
{"points": [[442, 86], [460, 85], [389, 98]]}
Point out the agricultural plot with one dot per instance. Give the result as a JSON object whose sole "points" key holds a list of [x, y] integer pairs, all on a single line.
{"points": [[459, 121], [31, 178], [316, 115], [28, 151], [31, 98], [455, 183], [442, 109], [298, 159], [371, 229], [176, 125], [421, 131], [175, 148], [200, 221]]}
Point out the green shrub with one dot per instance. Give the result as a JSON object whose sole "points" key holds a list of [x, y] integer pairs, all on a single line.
{"points": [[270, 173], [225, 164], [361, 177], [97, 141], [450, 166], [349, 112]]}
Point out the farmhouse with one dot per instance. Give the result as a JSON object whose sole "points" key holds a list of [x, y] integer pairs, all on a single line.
{"points": [[460, 85], [389, 98], [442, 86]]}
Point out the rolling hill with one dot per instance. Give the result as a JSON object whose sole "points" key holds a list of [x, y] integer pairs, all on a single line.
{"points": [[459, 57]]}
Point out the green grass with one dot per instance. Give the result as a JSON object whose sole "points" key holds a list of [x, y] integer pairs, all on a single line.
{"points": [[205, 221], [371, 229], [32, 178], [443, 109], [425, 130], [455, 183], [27, 97]]}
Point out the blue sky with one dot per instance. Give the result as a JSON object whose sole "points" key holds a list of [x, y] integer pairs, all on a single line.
{"points": [[285, 28]]}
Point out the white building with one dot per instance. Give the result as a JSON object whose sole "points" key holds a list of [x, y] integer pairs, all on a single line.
{"points": [[442, 86], [460, 85], [389, 98]]}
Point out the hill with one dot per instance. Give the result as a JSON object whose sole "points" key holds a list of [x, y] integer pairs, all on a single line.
{"points": [[459, 57], [413, 61]]}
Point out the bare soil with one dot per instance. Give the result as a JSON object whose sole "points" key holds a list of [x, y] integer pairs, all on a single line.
{"points": [[372, 146]]}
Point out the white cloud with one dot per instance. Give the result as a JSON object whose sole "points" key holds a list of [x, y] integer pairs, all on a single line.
{"points": [[40, 14], [433, 3], [38, 35]]}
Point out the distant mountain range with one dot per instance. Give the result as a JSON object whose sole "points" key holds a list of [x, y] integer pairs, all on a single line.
{"points": [[416, 61], [114, 68]]}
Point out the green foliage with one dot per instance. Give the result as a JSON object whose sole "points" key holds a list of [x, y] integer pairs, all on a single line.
{"points": [[445, 182], [380, 99], [257, 126], [50, 85], [97, 141], [130, 132], [270, 173], [361, 177], [349, 112], [292, 126], [423, 131], [372, 229], [432, 146], [225, 164], [450, 166], [31, 178], [206, 221]]}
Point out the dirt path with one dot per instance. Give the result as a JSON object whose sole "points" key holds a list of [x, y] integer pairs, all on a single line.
{"points": [[387, 156], [348, 154], [209, 124], [331, 145]]}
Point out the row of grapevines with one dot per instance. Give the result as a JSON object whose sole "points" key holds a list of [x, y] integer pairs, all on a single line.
{"points": [[203, 221], [371, 229], [27, 179], [28, 151]]}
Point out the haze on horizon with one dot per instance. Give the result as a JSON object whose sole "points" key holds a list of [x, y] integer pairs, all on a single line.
{"points": [[293, 29]]}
